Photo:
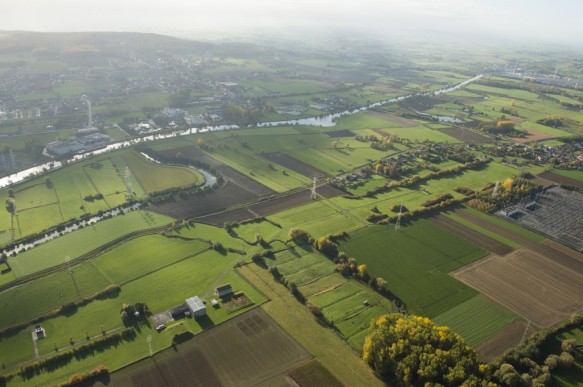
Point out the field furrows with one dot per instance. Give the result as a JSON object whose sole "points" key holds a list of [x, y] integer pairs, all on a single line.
{"points": [[472, 235], [503, 340], [528, 283]]}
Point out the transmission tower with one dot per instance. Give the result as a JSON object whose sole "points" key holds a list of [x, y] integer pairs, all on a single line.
{"points": [[525, 331], [495, 192], [128, 175], [398, 223], [314, 194]]}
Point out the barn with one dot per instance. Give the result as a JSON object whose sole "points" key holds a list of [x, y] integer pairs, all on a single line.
{"points": [[196, 306], [224, 290]]}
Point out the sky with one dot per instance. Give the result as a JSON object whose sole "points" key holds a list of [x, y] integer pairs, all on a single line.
{"points": [[534, 20]]}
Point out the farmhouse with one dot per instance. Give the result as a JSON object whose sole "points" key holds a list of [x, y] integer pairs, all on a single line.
{"points": [[224, 290], [510, 211], [196, 306]]}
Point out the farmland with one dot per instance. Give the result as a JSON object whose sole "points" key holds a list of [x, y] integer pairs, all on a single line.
{"points": [[476, 319], [83, 241], [487, 278], [88, 187], [542, 289], [415, 261]]}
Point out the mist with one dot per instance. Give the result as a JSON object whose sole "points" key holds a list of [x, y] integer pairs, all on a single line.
{"points": [[520, 20]]}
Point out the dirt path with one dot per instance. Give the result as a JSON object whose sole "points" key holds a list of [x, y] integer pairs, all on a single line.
{"points": [[509, 337], [478, 238], [572, 260]]}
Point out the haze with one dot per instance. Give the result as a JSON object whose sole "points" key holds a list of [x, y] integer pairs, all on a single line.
{"points": [[556, 21]]}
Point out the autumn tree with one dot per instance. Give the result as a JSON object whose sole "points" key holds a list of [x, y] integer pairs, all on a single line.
{"points": [[413, 351]]}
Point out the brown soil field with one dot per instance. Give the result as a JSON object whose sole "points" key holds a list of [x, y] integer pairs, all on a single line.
{"points": [[248, 350], [228, 173], [313, 374], [226, 196], [340, 133], [269, 207], [533, 136], [401, 121], [294, 164], [465, 135], [478, 238], [238, 189], [534, 286], [509, 337], [420, 103], [560, 179]]}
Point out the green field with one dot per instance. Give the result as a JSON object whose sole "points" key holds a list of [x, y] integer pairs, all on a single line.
{"points": [[82, 241], [415, 261], [476, 319], [143, 255], [341, 300], [482, 230], [48, 293], [507, 225], [577, 175], [160, 288], [347, 305], [318, 218], [43, 204]]}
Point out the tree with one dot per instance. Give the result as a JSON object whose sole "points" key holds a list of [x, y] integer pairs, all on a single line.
{"points": [[326, 247], [362, 273], [411, 350], [299, 236], [507, 184]]}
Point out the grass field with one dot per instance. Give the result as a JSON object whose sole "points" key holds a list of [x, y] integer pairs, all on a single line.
{"points": [[482, 230], [48, 293], [318, 218], [415, 261], [41, 205], [83, 241], [574, 375], [143, 255], [476, 319], [577, 175], [160, 288], [507, 225], [295, 318]]}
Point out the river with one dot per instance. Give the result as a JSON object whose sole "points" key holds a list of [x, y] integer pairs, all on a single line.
{"points": [[323, 121]]}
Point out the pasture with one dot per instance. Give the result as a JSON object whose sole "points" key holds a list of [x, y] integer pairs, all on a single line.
{"points": [[49, 292], [162, 279], [415, 261], [146, 254], [476, 319], [318, 218], [82, 241], [43, 203], [345, 303]]}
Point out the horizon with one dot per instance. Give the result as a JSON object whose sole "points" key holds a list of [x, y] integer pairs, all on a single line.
{"points": [[519, 21]]}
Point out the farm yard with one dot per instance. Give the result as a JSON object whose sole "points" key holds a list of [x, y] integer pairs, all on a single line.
{"points": [[247, 349]]}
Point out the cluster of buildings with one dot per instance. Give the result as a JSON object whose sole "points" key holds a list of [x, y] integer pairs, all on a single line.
{"points": [[562, 154], [76, 145]]}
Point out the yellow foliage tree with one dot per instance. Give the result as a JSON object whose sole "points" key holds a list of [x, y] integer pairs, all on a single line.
{"points": [[413, 351], [507, 184]]}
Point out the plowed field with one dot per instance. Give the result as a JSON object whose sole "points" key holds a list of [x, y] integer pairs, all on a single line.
{"points": [[509, 337], [540, 289], [248, 350]]}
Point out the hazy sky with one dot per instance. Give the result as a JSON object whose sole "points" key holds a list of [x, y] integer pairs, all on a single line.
{"points": [[558, 20]]}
